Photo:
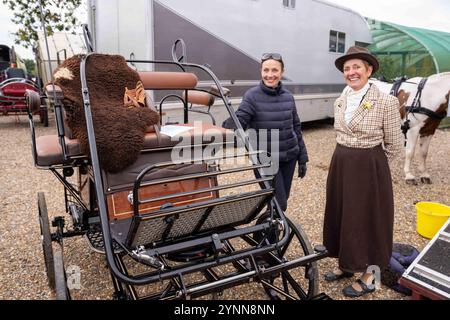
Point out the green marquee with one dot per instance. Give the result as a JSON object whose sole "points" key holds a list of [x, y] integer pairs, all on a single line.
{"points": [[409, 51]]}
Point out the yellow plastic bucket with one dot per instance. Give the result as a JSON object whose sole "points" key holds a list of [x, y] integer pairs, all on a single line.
{"points": [[431, 217]]}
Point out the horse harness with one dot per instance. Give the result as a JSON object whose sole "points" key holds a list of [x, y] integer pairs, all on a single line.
{"points": [[416, 106], [396, 85]]}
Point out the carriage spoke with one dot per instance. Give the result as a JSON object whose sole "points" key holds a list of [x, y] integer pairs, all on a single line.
{"points": [[300, 292]]}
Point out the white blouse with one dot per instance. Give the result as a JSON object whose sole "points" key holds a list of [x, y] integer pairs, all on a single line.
{"points": [[354, 99]]}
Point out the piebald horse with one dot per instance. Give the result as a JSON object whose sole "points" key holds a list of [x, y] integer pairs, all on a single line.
{"points": [[423, 104]]}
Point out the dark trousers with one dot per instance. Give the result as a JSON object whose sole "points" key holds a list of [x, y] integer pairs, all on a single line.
{"points": [[283, 182]]}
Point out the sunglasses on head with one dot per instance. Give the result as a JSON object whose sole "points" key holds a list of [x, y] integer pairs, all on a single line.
{"points": [[274, 56]]}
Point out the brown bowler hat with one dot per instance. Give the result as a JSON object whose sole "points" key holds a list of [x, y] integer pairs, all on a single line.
{"points": [[357, 52]]}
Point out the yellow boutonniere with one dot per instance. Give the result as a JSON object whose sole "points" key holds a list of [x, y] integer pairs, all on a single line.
{"points": [[367, 105], [339, 104]]}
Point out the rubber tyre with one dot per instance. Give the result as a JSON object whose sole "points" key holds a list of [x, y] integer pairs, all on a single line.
{"points": [[46, 239], [61, 289]]}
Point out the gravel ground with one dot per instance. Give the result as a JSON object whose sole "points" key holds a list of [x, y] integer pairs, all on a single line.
{"points": [[22, 273]]}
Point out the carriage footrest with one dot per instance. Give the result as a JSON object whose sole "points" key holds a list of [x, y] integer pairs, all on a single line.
{"points": [[94, 237]]}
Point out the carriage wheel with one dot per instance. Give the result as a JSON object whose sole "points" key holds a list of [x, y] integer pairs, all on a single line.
{"points": [[297, 283], [43, 116], [46, 239], [62, 292]]}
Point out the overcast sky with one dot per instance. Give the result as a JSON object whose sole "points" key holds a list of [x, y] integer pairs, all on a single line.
{"points": [[428, 14]]}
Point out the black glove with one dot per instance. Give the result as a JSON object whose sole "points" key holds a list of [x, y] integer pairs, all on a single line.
{"points": [[301, 170]]}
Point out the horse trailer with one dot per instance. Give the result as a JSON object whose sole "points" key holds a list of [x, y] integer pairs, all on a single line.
{"points": [[229, 36]]}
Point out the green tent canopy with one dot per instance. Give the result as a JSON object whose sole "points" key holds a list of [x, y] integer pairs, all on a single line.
{"points": [[409, 51]]}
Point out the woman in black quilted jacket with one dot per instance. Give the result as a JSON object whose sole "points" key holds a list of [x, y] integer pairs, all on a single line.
{"points": [[270, 110]]}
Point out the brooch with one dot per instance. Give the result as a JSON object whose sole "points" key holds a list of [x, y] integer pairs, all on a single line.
{"points": [[367, 105]]}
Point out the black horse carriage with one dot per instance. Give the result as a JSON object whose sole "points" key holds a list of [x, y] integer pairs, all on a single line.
{"points": [[177, 227]]}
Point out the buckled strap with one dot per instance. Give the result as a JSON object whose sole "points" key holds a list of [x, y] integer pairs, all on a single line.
{"points": [[427, 112], [135, 97], [396, 85], [416, 101]]}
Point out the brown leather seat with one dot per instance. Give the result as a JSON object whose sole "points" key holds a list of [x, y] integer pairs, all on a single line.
{"points": [[49, 151]]}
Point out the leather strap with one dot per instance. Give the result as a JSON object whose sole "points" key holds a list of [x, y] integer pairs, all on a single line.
{"points": [[427, 112], [363, 285], [134, 97]]}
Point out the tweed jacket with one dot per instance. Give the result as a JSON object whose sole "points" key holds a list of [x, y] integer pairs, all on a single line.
{"points": [[376, 121]]}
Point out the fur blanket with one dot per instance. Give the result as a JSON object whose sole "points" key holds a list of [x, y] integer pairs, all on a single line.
{"points": [[119, 129]]}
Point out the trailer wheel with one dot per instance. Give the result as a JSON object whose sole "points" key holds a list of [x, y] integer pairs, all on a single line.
{"points": [[46, 239], [297, 283], [62, 292]]}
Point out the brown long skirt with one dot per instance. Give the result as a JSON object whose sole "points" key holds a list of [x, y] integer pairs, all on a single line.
{"points": [[359, 212]]}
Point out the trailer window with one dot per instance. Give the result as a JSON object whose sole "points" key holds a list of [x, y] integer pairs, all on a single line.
{"points": [[337, 41], [289, 4]]}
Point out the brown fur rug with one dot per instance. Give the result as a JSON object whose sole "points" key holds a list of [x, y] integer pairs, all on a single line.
{"points": [[119, 130]]}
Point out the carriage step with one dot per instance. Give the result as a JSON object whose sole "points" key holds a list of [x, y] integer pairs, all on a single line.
{"points": [[322, 296], [94, 237]]}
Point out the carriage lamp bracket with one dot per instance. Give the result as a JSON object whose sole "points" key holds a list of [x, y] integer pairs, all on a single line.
{"points": [[141, 255]]}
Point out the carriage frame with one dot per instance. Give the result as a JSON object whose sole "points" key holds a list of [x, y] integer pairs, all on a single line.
{"points": [[184, 240]]}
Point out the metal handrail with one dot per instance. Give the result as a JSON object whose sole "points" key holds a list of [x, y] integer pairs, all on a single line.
{"points": [[145, 171], [202, 175]]}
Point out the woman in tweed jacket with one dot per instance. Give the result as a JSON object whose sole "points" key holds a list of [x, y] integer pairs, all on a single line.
{"points": [[359, 212]]}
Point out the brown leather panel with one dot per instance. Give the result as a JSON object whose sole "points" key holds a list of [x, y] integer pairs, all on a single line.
{"points": [[199, 97], [168, 80], [49, 151], [120, 208], [125, 178]]}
